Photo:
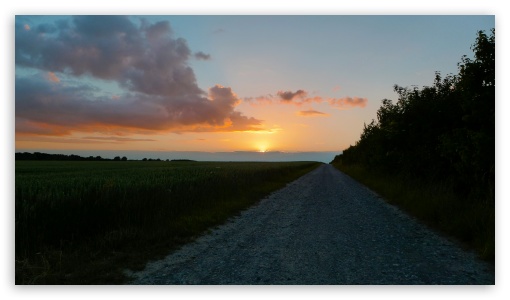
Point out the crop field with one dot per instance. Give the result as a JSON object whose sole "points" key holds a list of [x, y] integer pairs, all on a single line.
{"points": [[82, 222]]}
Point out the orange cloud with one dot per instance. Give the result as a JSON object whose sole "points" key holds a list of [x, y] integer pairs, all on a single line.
{"points": [[52, 77], [311, 113], [116, 139], [27, 27]]}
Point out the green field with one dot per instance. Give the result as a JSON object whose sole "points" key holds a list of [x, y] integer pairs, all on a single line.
{"points": [[83, 222]]}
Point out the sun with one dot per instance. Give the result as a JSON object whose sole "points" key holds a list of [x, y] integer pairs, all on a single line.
{"points": [[262, 147]]}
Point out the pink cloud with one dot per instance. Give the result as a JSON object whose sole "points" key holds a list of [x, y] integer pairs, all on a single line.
{"points": [[311, 113], [299, 98], [348, 102], [52, 77]]}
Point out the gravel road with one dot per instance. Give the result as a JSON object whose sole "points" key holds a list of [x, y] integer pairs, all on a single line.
{"points": [[323, 228]]}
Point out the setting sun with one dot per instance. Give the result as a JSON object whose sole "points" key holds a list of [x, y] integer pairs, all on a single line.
{"points": [[260, 145], [262, 148]]}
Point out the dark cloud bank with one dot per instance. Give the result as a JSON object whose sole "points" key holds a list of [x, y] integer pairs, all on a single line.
{"points": [[145, 59]]}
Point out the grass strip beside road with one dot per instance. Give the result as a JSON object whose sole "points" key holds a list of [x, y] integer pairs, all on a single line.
{"points": [[469, 221]]}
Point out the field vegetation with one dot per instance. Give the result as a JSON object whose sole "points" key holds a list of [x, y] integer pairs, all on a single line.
{"points": [[83, 222], [433, 151]]}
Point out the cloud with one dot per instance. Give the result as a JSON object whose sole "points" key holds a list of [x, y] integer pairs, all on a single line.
{"points": [[52, 77], [300, 97], [46, 28], [202, 56], [61, 140], [43, 108], [260, 100], [289, 96], [116, 139], [348, 102], [82, 140], [146, 60], [311, 113]]}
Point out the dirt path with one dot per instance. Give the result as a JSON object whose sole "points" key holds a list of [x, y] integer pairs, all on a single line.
{"points": [[323, 228]]}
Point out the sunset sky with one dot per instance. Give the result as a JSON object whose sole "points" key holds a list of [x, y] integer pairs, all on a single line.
{"points": [[63, 98], [221, 83]]}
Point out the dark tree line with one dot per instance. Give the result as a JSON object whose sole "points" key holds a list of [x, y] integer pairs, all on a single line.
{"points": [[442, 132], [64, 157], [73, 157]]}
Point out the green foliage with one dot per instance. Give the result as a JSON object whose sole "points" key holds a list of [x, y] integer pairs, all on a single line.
{"points": [[69, 214], [442, 133]]}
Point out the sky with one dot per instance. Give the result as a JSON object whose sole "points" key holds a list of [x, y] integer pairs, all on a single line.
{"points": [[221, 83]]}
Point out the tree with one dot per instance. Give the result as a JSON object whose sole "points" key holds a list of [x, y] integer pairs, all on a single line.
{"points": [[446, 130], [470, 145]]}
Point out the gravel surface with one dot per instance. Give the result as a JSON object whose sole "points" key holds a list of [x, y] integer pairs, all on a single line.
{"points": [[323, 228]]}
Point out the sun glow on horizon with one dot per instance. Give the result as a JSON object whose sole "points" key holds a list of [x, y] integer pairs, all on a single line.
{"points": [[262, 147]]}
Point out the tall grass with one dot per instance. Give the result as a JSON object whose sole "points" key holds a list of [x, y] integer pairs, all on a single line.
{"points": [[470, 221], [82, 222]]}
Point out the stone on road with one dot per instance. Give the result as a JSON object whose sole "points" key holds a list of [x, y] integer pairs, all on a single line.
{"points": [[323, 228]]}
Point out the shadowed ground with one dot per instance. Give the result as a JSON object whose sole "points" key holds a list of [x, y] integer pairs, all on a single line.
{"points": [[323, 228]]}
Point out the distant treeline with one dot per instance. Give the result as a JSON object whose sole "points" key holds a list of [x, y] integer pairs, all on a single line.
{"points": [[73, 157], [46, 156], [441, 133]]}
